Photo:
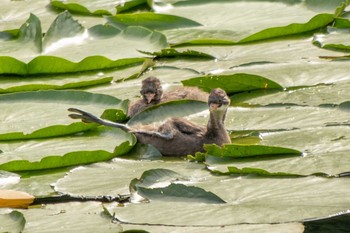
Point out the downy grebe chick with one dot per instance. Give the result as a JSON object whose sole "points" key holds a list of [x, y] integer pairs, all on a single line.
{"points": [[177, 136], [151, 92]]}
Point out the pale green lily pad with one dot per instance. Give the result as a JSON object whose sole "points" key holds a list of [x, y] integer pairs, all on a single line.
{"points": [[336, 39], [315, 140], [38, 183], [324, 164], [13, 222], [243, 228], [66, 151], [302, 66], [238, 20], [28, 112], [254, 196], [14, 13], [15, 84], [283, 117], [77, 217], [167, 185], [58, 56], [331, 94], [114, 178], [253, 200]]}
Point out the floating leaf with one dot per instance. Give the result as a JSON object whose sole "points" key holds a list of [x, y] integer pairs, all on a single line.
{"points": [[151, 20], [63, 27], [26, 115], [63, 152], [243, 151], [316, 22], [61, 45], [130, 4], [257, 171], [87, 8], [172, 53], [42, 86], [148, 187], [233, 83], [13, 222], [337, 39]]}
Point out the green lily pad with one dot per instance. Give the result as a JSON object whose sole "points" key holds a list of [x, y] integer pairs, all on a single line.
{"points": [[232, 83], [14, 84], [98, 8], [172, 53], [245, 151], [233, 15], [63, 51], [67, 151], [151, 20], [19, 123]]}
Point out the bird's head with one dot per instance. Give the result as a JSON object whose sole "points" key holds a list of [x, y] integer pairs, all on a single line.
{"points": [[151, 90], [218, 100]]}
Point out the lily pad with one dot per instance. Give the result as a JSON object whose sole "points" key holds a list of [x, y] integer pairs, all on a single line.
{"points": [[90, 218], [248, 201], [42, 84], [246, 151], [40, 123], [12, 222], [64, 50], [151, 20], [100, 7], [67, 151], [232, 83], [158, 184], [225, 24]]}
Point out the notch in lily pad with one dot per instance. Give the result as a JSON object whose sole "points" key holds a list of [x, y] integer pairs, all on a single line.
{"points": [[167, 185]]}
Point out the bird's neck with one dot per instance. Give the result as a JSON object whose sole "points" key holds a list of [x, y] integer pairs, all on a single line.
{"points": [[216, 123]]}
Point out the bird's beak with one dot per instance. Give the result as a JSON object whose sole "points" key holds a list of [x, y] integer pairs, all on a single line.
{"points": [[149, 97], [213, 106]]}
